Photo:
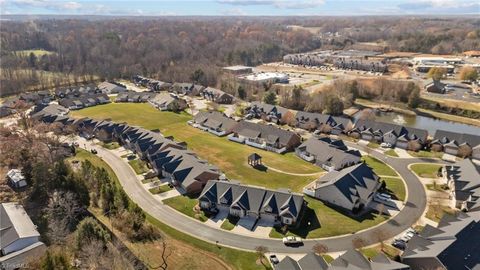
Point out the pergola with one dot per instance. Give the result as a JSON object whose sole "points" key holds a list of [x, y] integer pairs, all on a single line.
{"points": [[254, 160]]}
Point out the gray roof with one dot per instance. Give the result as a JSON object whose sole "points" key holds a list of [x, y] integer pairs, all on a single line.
{"points": [[15, 224], [164, 99], [111, 88], [214, 119], [319, 118], [313, 261], [260, 107], [287, 264], [383, 128], [252, 130], [444, 137], [352, 260], [466, 177], [327, 150]]}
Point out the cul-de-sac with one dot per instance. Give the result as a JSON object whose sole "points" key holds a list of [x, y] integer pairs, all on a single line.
{"points": [[226, 142]]}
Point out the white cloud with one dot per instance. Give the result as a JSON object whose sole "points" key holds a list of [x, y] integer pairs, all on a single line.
{"points": [[72, 5], [300, 4], [234, 12], [47, 4]]}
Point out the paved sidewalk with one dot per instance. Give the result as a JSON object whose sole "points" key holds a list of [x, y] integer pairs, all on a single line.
{"points": [[402, 153]]}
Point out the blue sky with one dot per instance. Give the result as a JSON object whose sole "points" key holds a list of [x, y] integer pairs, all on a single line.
{"points": [[241, 7]]}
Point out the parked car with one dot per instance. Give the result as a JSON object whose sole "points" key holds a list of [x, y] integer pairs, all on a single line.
{"points": [[292, 240], [274, 259], [93, 151], [399, 244], [386, 145], [385, 195]]}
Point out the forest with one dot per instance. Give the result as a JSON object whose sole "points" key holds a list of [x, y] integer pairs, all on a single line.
{"points": [[83, 49]]}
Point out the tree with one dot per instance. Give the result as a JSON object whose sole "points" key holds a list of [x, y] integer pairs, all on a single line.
{"points": [[89, 230], [32, 60], [367, 114], [414, 98], [270, 98], [242, 94], [288, 118], [358, 243], [468, 74], [436, 73], [320, 249], [198, 76], [55, 261], [261, 250], [334, 105]]}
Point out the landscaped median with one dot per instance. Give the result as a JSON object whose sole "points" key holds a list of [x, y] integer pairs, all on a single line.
{"points": [[426, 170]]}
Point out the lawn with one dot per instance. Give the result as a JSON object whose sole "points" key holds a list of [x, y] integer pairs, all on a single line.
{"points": [[435, 212], [186, 206], [396, 187], [373, 145], [82, 155], [139, 166], [373, 251], [391, 152], [229, 156], [378, 166], [426, 154], [229, 223], [160, 189], [110, 145], [426, 170], [37, 53], [326, 221]]}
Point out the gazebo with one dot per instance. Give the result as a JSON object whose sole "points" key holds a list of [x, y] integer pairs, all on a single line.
{"points": [[254, 160]]}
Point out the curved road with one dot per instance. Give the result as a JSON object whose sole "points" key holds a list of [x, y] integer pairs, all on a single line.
{"points": [[413, 210]]}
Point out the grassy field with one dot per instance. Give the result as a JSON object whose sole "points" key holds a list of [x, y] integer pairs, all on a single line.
{"points": [[379, 167], [426, 170], [391, 152], [229, 156], [139, 166], [182, 245], [37, 53], [396, 187], [186, 206], [474, 106], [375, 250], [451, 117], [326, 221], [425, 154], [160, 189]]}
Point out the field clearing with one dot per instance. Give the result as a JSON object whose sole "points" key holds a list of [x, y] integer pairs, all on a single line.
{"points": [[37, 53], [230, 157], [474, 106]]}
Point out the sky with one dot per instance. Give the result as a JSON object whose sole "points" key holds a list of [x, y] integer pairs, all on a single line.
{"points": [[241, 7]]}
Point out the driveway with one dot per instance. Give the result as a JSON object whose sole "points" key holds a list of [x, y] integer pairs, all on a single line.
{"points": [[413, 210]]}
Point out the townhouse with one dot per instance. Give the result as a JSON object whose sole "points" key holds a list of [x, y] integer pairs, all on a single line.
{"points": [[135, 97], [328, 153], [84, 101], [214, 122], [322, 122], [463, 180], [396, 135], [111, 88], [352, 188], [265, 137], [278, 206], [76, 91], [36, 98], [457, 144], [351, 259], [453, 245], [168, 102], [217, 95], [190, 89], [271, 113]]}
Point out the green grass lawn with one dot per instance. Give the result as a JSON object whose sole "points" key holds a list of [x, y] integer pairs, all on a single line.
{"points": [[139, 166], [426, 170], [229, 223], [160, 189], [110, 145], [82, 155], [391, 152], [326, 221], [388, 250], [396, 187], [373, 145], [426, 154], [378, 166], [435, 212], [186, 206], [230, 157]]}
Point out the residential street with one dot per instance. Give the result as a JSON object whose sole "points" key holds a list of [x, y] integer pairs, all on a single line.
{"points": [[413, 210]]}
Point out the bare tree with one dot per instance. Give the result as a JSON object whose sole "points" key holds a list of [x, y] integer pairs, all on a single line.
{"points": [[320, 249], [358, 242], [261, 250]]}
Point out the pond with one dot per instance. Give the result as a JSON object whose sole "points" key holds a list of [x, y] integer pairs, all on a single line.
{"points": [[423, 122]]}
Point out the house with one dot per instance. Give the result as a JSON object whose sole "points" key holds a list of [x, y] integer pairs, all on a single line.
{"points": [[309, 261], [19, 238], [354, 259], [322, 122], [16, 178], [132, 96], [266, 111], [280, 207], [266, 137], [435, 86], [457, 144], [189, 174], [217, 96], [111, 88], [396, 135], [327, 153], [187, 89], [168, 102], [463, 180], [352, 188], [36, 98], [214, 122], [452, 245]]}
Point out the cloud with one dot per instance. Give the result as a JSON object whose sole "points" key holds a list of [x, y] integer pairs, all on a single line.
{"points": [[301, 4], [234, 12], [440, 4], [46, 4]]}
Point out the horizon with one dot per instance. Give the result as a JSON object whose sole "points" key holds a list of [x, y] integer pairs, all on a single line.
{"points": [[240, 8]]}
